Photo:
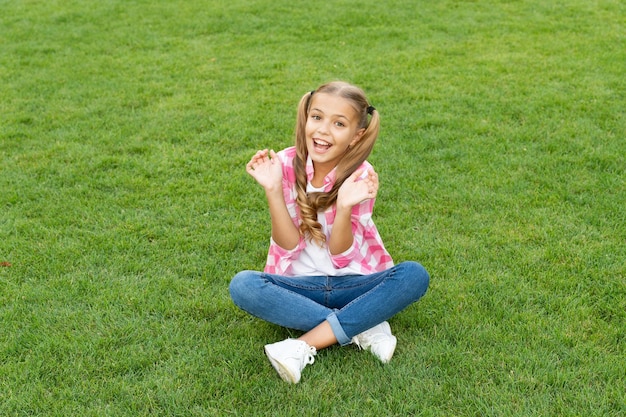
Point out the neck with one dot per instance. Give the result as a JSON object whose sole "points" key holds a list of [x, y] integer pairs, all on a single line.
{"points": [[320, 172]]}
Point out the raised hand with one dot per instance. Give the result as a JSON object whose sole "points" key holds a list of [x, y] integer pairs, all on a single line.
{"points": [[266, 169], [360, 186]]}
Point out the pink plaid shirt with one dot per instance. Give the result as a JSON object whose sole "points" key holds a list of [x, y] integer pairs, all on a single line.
{"points": [[367, 254]]}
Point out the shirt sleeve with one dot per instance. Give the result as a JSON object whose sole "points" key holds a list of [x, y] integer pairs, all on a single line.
{"points": [[360, 219], [279, 259]]}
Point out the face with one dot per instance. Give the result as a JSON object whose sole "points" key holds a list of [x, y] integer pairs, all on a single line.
{"points": [[331, 127]]}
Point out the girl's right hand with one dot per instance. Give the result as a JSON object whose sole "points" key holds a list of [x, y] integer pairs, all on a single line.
{"points": [[265, 167]]}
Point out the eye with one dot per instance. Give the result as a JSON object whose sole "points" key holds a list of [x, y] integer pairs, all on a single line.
{"points": [[315, 117], [339, 124]]}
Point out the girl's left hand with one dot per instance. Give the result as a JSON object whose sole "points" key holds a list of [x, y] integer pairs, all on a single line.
{"points": [[360, 186]]}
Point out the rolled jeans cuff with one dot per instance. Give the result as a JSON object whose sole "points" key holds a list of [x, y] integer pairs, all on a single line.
{"points": [[340, 335]]}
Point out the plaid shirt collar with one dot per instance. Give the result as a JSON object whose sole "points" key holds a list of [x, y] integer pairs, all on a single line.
{"points": [[329, 180]]}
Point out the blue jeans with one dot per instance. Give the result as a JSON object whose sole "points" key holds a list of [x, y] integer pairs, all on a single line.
{"points": [[351, 304]]}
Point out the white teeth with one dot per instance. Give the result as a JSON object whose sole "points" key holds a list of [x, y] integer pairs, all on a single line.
{"points": [[321, 142]]}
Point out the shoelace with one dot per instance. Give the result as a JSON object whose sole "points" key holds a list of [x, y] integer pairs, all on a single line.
{"points": [[369, 338], [309, 354]]}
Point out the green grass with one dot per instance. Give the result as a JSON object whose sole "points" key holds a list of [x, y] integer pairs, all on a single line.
{"points": [[125, 208]]}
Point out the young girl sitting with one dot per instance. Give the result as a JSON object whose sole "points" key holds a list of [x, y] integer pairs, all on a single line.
{"points": [[327, 273]]}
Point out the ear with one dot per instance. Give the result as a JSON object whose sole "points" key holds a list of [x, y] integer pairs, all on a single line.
{"points": [[357, 136]]}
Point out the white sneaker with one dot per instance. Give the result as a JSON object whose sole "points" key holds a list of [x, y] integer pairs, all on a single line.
{"points": [[289, 358], [377, 340]]}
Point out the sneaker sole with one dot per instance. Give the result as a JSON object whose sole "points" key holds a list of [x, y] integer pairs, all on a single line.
{"points": [[283, 371]]}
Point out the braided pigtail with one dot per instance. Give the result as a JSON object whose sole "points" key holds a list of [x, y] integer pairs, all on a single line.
{"points": [[308, 209]]}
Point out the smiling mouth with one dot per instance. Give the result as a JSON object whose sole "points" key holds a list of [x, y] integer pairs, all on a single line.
{"points": [[321, 144]]}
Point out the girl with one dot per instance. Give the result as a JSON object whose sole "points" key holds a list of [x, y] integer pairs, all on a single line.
{"points": [[327, 273]]}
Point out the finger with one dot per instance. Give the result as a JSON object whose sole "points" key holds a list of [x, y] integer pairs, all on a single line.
{"points": [[254, 161], [256, 156], [372, 179], [273, 156], [261, 156], [359, 174]]}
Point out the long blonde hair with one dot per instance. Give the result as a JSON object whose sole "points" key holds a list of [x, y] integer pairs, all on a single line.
{"points": [[310, 204]]}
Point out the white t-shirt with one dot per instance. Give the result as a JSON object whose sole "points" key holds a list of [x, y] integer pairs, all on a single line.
{"points": [[315, 259]]}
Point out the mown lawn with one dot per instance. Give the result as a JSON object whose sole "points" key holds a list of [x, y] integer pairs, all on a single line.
{"points": [[125, 208]]}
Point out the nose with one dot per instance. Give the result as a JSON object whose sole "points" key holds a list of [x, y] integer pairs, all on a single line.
{"points": [[323, 127]]}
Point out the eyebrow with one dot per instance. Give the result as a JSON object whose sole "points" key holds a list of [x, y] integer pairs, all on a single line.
{"points": [[335, 115]]}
